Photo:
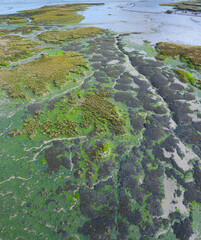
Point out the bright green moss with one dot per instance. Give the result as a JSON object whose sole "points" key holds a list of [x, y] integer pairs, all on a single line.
{"points": [[188, 77]]}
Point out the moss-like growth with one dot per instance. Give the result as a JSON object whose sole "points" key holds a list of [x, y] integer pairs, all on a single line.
{"points": [[73, 34], [188, 77], [37, 75], [13, 48], [185, 5], [188, 52]]}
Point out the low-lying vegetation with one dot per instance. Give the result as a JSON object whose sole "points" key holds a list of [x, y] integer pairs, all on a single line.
{"points": [[13, 48], [98, 110], [22, 29], [57, 14], [187, 52], [185, 5], [188, 77], [13, 19], [37, 75], [72, 115], [69, 35]]}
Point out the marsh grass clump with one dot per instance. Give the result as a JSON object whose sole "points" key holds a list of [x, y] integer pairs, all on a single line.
{"points": [[5, 31], [13, 48], [72, 115], [185, 5], [27, 29], [13, 19], [69, 35], [188, 77], [100, 111], [22, 29], [57, 14], [96, 152], [48, 127], [39, 74], [187, 52]]}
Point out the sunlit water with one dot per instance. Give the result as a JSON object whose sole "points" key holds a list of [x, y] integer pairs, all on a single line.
{"points": [[145, 17]]}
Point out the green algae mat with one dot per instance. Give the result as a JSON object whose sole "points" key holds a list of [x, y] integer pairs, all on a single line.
{"points": [[97, 142]]}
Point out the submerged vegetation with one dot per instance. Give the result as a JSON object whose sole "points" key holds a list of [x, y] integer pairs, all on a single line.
{"points": [[69, 35], [14, 48], [39, 74], [188, 52]]}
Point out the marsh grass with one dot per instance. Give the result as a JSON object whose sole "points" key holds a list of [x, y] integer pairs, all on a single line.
{"points": [[58, 14], [13, 48], [69, 35], [21, 29], [185, 5], [188, 52], [13, 19], [102, 113], [74, 115], [37, 75]]}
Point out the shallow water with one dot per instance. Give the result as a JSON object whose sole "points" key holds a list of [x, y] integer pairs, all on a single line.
{"points": [[146, 17]]}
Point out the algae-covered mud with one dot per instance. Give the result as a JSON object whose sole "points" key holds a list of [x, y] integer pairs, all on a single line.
{"points": [[100, 132]]}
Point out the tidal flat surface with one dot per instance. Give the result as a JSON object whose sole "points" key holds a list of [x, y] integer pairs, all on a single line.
{"points": [[100, 135]]}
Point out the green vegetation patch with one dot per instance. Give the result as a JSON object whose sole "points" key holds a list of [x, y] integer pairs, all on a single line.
{"points": [[74, 115], [27, 29], [48, 127], [13, 48], [185, 5], [13, 19], [70, 35], [22, 29], [57, 14], [37, 75], [188, 77], [97, 109], [188, 52]]}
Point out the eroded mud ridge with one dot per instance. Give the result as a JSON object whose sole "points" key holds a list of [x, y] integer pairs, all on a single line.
{"points": [[113, 154]]}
